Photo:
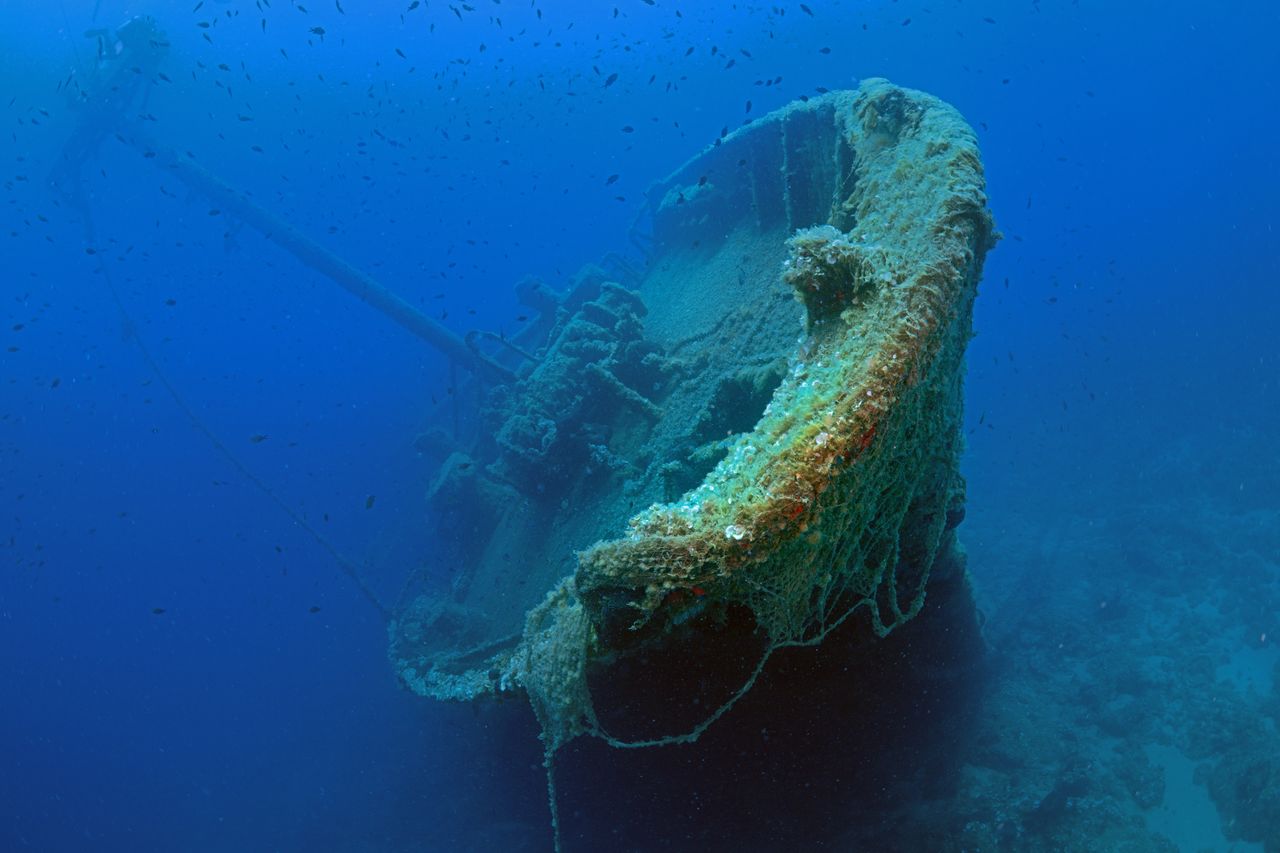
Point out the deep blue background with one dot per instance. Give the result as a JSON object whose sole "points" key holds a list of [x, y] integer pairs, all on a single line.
{"points": [[1132, 166]]}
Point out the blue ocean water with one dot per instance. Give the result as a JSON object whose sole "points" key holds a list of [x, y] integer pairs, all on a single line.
{"points": [[184, 666]]}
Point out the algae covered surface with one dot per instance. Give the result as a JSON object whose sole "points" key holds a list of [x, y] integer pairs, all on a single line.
{"points": [[777, 438]]}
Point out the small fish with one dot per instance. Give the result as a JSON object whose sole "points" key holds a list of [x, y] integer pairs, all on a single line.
{"points": [[611, 79], [806, 10], [313, 609], [258, 438], [611, 179], [368, 502], [157, 610]]}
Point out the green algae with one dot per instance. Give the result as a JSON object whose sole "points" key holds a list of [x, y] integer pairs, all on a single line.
{"points": [[828, 266]]}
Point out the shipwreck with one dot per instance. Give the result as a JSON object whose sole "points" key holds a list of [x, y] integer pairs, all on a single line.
{"points": [[735, 447]]}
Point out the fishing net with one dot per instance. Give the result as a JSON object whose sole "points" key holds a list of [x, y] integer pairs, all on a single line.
{"points": [[799, 481]]}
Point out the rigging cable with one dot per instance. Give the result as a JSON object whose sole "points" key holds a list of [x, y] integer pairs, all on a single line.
{"points": [[348, 567]]}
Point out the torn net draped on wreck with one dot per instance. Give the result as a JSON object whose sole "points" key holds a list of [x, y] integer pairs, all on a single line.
{"points": [[736, 444]]}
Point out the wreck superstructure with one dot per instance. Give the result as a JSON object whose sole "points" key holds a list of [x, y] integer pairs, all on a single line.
{"points": [[758, 435]]}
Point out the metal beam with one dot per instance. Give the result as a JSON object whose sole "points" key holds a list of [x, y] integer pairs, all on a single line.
{"points": [[320, 259]]}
